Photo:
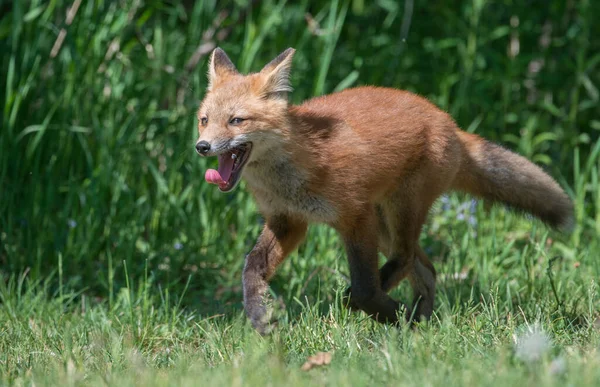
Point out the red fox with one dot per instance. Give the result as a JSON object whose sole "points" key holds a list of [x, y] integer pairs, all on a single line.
{"points": [[369, 162]]}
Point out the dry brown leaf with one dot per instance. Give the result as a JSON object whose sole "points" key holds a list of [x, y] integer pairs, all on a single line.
{"points": [[317, 360]]}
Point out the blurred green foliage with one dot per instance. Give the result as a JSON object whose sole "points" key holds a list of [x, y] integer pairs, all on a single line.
{"points": [[97, 164]]}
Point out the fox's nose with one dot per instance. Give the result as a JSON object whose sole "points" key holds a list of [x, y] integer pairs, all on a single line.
{"points": [[202, 147]]}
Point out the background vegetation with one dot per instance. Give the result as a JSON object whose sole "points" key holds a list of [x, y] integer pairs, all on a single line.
{"points": [[118, 264]]}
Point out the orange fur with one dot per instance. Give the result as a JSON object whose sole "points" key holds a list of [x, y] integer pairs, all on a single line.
{"points": [[368, 161]]}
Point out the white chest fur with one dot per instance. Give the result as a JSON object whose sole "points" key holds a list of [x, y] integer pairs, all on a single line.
{"points": [[280, 187]]}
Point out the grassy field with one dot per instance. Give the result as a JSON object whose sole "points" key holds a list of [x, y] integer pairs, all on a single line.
{"points": [[119, 265]]}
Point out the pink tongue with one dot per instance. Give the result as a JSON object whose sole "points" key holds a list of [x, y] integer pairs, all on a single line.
{"points": [[213, 177], [223, 174]]}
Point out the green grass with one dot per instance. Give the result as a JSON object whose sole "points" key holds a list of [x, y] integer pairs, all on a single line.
{"points": [[492, 289], [119, 265]]}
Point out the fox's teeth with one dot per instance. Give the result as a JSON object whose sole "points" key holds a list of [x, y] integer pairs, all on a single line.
{"points": [[233, 156]]}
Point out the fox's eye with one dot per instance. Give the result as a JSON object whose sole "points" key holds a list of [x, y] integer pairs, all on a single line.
{"points": [[236, 121], [204, 121]]}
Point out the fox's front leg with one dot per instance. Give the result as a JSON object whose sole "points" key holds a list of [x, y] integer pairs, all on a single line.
{"points": [[280, 236]]}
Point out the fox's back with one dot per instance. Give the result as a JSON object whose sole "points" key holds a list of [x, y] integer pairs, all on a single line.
{"points": [[378, 109], [379, 133]]}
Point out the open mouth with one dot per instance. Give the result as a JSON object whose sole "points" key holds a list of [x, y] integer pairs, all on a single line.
{"points": [[231, 163]]}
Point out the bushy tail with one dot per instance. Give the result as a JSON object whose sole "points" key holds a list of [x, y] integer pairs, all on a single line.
{"points": [[492, 172]]}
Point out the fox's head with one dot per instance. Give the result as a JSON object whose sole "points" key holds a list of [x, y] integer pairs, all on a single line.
{"points": [[242, 116]]}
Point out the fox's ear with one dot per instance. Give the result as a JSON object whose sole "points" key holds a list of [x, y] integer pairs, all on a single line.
{"points": [[277, 75], [219, 67]]}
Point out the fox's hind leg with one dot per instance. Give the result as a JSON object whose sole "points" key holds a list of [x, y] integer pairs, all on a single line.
{"points": [[422, 280], [383, 247], [366, 294], [405, 214]]}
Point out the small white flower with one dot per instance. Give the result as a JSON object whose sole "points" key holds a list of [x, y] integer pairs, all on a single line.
{"points": [[532, 344]]}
